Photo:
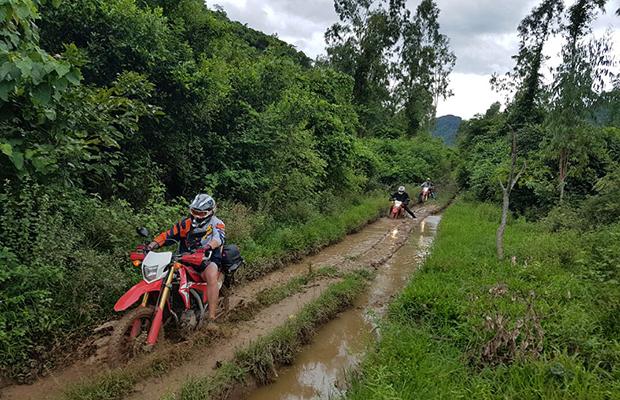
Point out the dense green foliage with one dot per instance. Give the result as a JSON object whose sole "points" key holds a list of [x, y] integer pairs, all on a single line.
{"points": [[399, 60], [468, 327], [566, 129], [114, 112]]}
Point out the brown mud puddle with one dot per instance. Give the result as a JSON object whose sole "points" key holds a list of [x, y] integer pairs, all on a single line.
{"points": [[371, 247], [319, 370]]}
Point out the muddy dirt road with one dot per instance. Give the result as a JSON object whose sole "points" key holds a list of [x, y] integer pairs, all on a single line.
{"points": [[319, 370], [369, 248]]}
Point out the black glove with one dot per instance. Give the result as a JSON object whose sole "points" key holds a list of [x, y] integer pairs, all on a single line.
{"points": [[204, 250]]}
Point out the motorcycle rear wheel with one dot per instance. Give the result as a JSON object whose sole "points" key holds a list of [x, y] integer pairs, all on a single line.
{"points": [[122, 347]]}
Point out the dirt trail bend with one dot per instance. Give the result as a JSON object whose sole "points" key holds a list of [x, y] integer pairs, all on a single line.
{"points": [[369, 248]]}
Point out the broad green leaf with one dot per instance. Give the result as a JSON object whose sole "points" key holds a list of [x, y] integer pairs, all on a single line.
{"points": [[24, 65], [5, 69], [50, 114], [73, 78], [5, 89], [37, 74], [42, 94], [18, 159], [56, 3], [6, 148], [63, 68], [23, 11], [60, 84]]}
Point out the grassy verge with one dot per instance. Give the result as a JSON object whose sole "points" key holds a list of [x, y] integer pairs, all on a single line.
{"points": [[468, 326], [287, 243], [279, 347], [270, 296]]}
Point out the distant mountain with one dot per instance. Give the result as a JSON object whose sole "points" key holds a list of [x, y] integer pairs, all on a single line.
{"points": [[446, 128]]}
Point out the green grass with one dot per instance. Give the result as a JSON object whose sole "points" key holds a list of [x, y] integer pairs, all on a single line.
{"points": [[281, 244], [279, 347], [270, 296], [468, 326]]}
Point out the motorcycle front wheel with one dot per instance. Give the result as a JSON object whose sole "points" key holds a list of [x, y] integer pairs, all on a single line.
{"points": [[126, 342]]}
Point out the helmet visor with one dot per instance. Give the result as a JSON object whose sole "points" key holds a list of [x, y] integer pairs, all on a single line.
{"points": [[199, 213]]}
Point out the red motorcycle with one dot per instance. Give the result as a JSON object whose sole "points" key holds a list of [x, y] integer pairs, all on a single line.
{"points": [[427, 192], [172, 293], [397, 210]]}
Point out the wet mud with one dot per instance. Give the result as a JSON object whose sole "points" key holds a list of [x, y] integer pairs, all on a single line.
{"points": [[319, 372]]}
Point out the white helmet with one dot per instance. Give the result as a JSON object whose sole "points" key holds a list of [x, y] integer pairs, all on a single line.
{"points": [[201, 210], [401, 189]]}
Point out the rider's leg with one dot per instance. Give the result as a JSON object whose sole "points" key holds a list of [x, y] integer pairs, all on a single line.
{"points": [[209, 275], [408, 210]]}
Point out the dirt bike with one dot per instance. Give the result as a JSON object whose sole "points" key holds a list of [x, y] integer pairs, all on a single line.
{"points": [[172, 293], [426, 194], [396, 211]]}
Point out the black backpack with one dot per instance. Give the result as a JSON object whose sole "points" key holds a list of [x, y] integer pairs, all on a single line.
{"points": [[231, 258]]}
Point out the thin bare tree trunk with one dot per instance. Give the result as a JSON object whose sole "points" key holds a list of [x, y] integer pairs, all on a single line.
{"points": [[512, 180]]}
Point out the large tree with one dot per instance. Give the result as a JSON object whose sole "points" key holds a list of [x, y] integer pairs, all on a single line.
{"points": [[576, 86], [361, 45], [425, 64]]}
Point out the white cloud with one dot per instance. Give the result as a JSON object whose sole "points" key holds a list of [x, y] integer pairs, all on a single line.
{"points": [[472, 95]]}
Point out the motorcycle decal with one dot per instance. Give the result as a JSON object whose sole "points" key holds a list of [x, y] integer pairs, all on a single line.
{"points": [[184, 287]]}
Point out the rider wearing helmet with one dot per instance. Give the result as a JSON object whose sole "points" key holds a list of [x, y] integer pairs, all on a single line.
{"points": [[211, 236], [401, 195], [430, 186]]}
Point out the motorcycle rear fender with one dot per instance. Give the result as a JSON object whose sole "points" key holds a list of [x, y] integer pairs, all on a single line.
{"points": [[135, 293]]}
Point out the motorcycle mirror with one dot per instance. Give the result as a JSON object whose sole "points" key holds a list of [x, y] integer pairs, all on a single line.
{"points": [[142, 231]]}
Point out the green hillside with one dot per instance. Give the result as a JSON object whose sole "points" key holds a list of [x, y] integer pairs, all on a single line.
{"points": [[446, 127]]}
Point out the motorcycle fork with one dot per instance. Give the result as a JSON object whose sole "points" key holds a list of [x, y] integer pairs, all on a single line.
{"points": [[159, 312], [136, 323]]}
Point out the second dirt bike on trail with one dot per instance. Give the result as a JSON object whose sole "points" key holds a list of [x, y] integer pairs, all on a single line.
{"points": [[426, 194], [173, 295]]}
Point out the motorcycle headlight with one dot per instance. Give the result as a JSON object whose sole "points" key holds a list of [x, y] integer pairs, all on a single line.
{"points": [[149, 272]]}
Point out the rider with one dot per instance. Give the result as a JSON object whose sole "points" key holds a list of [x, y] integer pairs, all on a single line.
{"points": [[401, 195], [430, 187], [201, 216]]}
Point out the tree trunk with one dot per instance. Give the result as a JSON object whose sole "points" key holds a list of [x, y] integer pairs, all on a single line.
{"points": [[512, 180], [502, 225]]}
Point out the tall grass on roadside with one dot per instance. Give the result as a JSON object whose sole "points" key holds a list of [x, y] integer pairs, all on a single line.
{"points": [[468, 326]]}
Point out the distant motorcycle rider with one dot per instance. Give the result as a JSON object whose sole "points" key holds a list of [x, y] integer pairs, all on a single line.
{"points": [[401, 195], [201, 217], [430, 186]]}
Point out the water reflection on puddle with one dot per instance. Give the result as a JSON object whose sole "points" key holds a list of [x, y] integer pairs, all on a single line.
{"points": [[319, 370]]}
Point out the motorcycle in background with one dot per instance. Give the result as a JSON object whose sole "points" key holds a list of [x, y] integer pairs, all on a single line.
{"points": [[426, 194]]}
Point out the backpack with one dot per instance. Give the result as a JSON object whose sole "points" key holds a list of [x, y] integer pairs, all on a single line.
{"points": [[231, 258]]}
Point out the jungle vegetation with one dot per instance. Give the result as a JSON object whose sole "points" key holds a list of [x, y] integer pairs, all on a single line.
{"points": [[113, 113]]}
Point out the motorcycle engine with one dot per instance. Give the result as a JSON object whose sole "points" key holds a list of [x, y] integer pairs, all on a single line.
{"points": [[188, 320]]}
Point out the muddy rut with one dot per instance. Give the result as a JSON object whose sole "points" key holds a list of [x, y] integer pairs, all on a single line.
{"points": [[369, 248]]}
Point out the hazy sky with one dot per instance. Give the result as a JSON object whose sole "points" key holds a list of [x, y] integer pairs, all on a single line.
{"points": [[482, 35]]}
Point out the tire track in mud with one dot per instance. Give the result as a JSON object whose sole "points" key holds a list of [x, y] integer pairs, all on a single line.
{"points": [[368, 248]]}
